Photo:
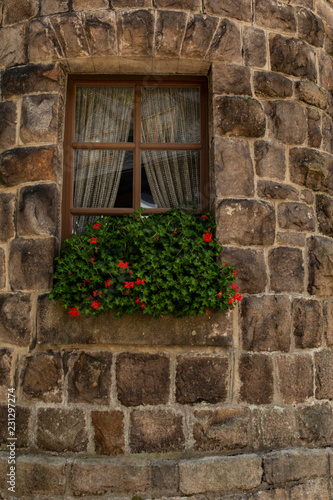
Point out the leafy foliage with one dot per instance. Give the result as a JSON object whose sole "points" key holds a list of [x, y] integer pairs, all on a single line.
{"points": [[159, 264]]}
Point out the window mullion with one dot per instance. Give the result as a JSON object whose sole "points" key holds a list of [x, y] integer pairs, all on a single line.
{"points": [[137, 152]]}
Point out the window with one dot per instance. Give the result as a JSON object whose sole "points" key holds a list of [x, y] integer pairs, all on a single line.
{"points": [[134, 142]]}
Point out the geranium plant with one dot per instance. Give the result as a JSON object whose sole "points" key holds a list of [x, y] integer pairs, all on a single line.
{"points": [[159, 264]]}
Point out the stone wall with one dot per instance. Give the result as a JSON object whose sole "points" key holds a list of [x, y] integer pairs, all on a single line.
{"points": [[233, 405]]}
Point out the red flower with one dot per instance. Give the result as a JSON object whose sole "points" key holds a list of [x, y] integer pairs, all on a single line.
{"points": [[123, 265], [107, 283], [143, 305], [230, 301], [93, 241], [95, 304], [73, 311], [234, 273], [129, 284], [219, 294], [88, 281], [92, 260], [96, 226], [204, 216], [140, 282], [175, 233], [208, 311], [138, 300], [208, 237]]}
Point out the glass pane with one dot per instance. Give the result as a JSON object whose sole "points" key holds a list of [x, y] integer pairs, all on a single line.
{"points": [[171, 179], [170, 114], [104, 114], [103, 179]]}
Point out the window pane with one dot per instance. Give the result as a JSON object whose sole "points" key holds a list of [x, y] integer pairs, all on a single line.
{"points": [[103, 179], [104, 114], [172, 179], [170, 114]]}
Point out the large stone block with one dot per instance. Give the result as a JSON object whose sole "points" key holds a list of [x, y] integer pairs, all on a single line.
{"points": [[256, 376], [245, 222], [7, 229], [8, 117], [169, 33], [15, 11], [43, 44], [320, 261], [310, 27], [267, 84], [266, 323], [135, 25], [275, 14], [315, 424], [251, 269], [296, 216], [312, 169], [90, 4], [12, 46], [292, 56], [108, 432], [32, 78], [39, 118], [286, 269], [15, 328], [311, 94], [61, 430], [202, 378], [307, 323], [224, 429], [239, 116], [314, 128], [270, 159], [295, 375], [27, 165], [31, 264], [276, 191], [38, 208], [315, 488], [199, 32], [239, 9], [100, 30], [287, 121], [226, 43], [231, 79], [326, 71], [53, 7], [278, 428], [254, 46], [324, 374], [193, 5], [89, 377], [156, 431], [22, 425], [41, 377], [234, 174]]}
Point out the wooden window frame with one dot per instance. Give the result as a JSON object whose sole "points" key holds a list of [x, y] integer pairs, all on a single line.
{"points": [[136, 146]]}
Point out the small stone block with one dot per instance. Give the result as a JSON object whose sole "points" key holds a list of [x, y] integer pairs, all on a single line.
{"points": [[38, 208], [295, 377], [292, 56], [324, 374], [278, 428], [286, 269], [307, 323], [61, 430], [270, 159], [254, 46], [39, 118], [41, 378], [296, 216], [239, 116], [8, 117], [256, 376], [320, 266], [15, 328], [108, 432]]}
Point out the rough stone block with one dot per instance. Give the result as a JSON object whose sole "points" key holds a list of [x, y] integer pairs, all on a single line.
{"points": [[326, 71], [320, 266], [254, 46], [233, 168], [307, 323], [131, 4], [314, 128], [311, 94], [288, 238], [278, 428], [327, 134], [270, 159], [238, 9], [312, 169], [239, 116], [41, 377], [39, 118], [53, 7], [275, 14], [12, 46], [296, 216], [324, 11], [256, 376], [6, 362], [266, 323], [90, 4], [292, 56], [202, 378], [324, 374], [32, 78], [8, 117], [15, 11], [231, 79], [226, 43], [38, 208], [22, 425], [15, 328], [156, 431], [135, 25], [328, 322], [224, 429], [310, 27], [7, 229], [307, 196], [43, 44], [295, 377], [89, 377], [27, 165], [276, 191], [220, 475], [286, 269], [328, 40], [251, 269], [286, 121], [164, 477], [267, 84], [169, 33], [31, 264], [61, 430], [100, 30], [198, 35], [245, 222], [108, 432], [193, 5], [315, 424], [315, 488], [2, 268]]}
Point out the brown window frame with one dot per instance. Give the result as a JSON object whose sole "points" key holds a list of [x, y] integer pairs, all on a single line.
{"points": [[136, 146]]}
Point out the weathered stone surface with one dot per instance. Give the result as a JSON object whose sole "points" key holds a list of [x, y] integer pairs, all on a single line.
{"points": [[131, 4], [44, 45], [226, 43], [108, 432], [198, 35], [292, 56], [220, 475], [90, 4], [296, 216], [7, 207], [38, 210], [8, 117], [233, 168], [143, 378], [156, 431], [315, 488], [6, 361], [320, 266], [270, 159], [287, 121], [275, 14], [307, 196], [239, 9], [267, 84], [251, 269], [202, 378], [256, 376], [324, 374], [41, 377], [310, 27], [15, 11], [324, 208], [223, 429], [61, 430], [312, 169], [22, 427], [231, 79], [27, 165], [314, 128], [31, 264], [276, 191], [327, 126], [308, 323], [15, 328], [326, 71], [169, 33], [266, 323], [39, 118], [295, 377], [135, 25], [278, 428], [311, 94], [89, 377], [164, 477], [245, 222], [193, 5], [53, 7], [100, 30], [12, 46], [315, 424], [288, 238], [32, 78], [239, 116], [286, 269], [294, 465], [328, 322], [328, 40], [254, 46], [2, 268]]}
